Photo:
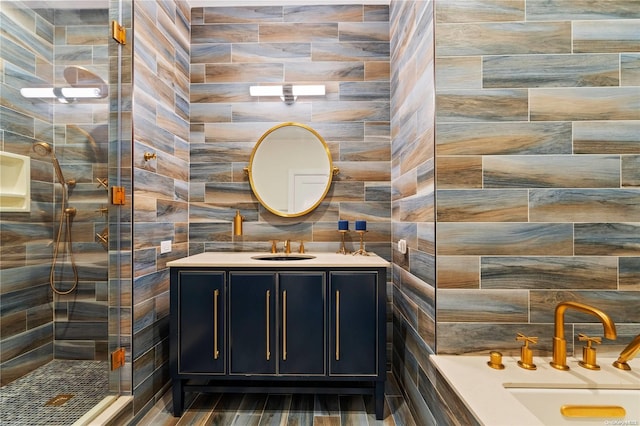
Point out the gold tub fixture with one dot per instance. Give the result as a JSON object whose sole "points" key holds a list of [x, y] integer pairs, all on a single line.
{"points": [[560, 344], [526, 354], [148, 156], [589, 352], [495, 360], [628, 353], [237, 223]]}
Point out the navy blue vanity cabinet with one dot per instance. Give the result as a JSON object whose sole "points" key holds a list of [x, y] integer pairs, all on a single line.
{"points": [[278, 329], [276, 323], [357, 329], [252, 319], [197, 327], [353, 323], [302, 316]]}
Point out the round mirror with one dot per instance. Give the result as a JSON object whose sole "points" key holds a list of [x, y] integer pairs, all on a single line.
{"points": [[290, 169]]}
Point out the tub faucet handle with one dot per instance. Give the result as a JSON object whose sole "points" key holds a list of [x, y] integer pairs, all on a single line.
{"points": [[526, 354], [589, 352]]}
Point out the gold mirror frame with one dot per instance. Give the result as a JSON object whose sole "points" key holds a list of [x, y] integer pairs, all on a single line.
{"points": [[258, 156]]}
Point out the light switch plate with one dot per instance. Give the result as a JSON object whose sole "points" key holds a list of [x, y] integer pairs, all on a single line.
{"points": [[165, 247]]}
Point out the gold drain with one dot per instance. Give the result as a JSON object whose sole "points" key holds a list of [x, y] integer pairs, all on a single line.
{"points": [[59, 400]]}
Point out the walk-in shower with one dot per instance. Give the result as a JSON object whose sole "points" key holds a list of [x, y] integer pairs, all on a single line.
{"points": [[59, 286]]}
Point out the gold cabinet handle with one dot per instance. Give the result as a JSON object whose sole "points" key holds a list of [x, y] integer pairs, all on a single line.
{"points": [[284, 325], [268, 351], [216, 352], [337, 325]]}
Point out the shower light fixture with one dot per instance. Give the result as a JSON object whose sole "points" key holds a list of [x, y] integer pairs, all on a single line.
{"points": [[63, 94], [288, 92]]}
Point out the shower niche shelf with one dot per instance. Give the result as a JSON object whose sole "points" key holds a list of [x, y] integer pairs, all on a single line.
{"points": [[15, 183]]}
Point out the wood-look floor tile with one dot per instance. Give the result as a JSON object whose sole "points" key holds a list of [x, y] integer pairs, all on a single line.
{"points": [[276, 410], [251, 409], [352, 411], [199, 411], [301, 411], [226, 410], [326, 421], [281, 410]]}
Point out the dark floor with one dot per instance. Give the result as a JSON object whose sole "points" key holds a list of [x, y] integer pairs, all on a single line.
{"points": [[76, 385], [283, 410]]}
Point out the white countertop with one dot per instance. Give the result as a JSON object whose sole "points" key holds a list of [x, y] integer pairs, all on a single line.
{"points": [[484, 389], [244, 259]]}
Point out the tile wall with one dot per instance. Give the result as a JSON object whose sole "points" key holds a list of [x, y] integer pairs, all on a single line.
{"points": [[346, 48], [537, 118], [413, 204], [160, 186], [37, 45]]}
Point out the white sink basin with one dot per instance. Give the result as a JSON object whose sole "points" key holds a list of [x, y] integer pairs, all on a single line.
{"points": [[283, 257], [546, 404]]}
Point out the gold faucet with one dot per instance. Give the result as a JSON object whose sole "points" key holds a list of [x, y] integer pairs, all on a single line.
{"points": [[628, 353], [559, 342]]}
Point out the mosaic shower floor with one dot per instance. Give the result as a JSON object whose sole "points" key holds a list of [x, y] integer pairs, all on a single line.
{"points": [[23, 401]]}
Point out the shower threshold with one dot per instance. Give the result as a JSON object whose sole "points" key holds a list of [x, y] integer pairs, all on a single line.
{"points": [[110, 408]]}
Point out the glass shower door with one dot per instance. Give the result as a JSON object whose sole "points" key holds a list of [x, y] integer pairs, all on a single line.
{"points": [[61, 268]]}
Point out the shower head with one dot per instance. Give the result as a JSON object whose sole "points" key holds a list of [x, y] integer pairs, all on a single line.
{"points": [[43, 148], [78, 76]]}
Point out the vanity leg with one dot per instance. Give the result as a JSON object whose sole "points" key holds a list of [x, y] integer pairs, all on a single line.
{"points": [[379, 399], [178, 397]]}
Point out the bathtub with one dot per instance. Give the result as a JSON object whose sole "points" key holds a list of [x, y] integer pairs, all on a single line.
{"points": [[533, 397]]}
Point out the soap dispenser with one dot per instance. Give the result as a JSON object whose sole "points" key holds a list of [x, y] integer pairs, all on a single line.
{"points": [[237, 223]]}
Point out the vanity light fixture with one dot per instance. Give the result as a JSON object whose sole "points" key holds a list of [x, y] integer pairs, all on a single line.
{"points": [[288, 92], [63, 94]]}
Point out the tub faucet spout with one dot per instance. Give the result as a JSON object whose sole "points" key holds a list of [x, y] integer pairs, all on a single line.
{"points": [[628, 353], [559, 342]]}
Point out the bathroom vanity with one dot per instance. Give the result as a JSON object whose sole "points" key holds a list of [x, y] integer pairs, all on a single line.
{"points": [[277, 325]]}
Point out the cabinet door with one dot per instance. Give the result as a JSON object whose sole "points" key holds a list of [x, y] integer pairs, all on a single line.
{"points": [[252, 317], [353, 323], [200, 322], [302, 323]]}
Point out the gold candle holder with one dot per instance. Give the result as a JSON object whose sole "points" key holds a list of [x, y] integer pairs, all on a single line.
{"points": [[343, 249], [361, 251]]}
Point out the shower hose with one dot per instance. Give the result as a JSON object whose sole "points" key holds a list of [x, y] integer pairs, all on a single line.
{"points": [[66, 215]]}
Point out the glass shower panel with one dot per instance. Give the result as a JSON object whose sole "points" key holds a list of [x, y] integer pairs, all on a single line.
{"points": [[60, 292]]}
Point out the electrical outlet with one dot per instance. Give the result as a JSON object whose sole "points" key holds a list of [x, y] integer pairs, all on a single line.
{"points": [[165, 247]]}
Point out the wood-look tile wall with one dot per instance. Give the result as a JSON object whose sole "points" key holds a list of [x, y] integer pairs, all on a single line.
{"points": [[344, 47], [536, 142], [37, 45], [538, 117], [413, 202], [160, 186]]}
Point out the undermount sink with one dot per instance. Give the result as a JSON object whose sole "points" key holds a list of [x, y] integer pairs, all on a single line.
{"points": [[285, 257], [587, 406]]}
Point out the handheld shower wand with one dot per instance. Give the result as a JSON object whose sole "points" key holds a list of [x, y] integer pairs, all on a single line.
{"points": [[66, 214], [44, 149]]}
